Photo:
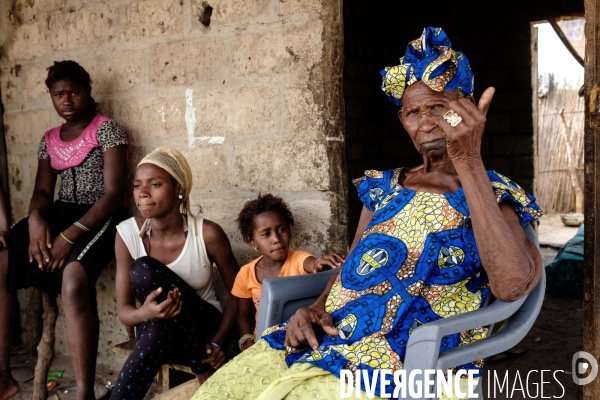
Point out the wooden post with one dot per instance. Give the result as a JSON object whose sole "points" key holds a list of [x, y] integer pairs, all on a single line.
{"points": [[45, 348], [591, 297], [33, 321]]}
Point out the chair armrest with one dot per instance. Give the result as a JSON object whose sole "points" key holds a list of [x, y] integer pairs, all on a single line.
{"points": [[422, 350], [281, 297]]}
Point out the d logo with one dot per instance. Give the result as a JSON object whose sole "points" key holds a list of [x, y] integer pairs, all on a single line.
{"points": [[582, 367]]}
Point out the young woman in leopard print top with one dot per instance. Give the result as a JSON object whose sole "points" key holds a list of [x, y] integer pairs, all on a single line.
{"points": [[63, 246]]}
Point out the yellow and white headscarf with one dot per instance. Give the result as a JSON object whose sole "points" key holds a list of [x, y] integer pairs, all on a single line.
{"points": [[172, 161]]}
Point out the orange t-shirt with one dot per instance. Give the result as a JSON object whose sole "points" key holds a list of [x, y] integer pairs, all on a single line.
{"points": [[247, 286]]}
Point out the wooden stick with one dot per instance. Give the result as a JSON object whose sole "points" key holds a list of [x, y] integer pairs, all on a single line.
{"points": [[45, 348]]}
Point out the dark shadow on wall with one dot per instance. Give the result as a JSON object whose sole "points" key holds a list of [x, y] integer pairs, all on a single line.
{"points": [[3, 158], [496, 38]]}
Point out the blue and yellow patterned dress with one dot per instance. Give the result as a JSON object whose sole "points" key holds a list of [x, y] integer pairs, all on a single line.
{"points": [[417, 262]]}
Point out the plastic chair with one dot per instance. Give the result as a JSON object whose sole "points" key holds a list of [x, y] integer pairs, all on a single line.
{"points": [[281, 297]]}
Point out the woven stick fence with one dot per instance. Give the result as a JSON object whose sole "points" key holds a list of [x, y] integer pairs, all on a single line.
{"points": [[559, 180]]}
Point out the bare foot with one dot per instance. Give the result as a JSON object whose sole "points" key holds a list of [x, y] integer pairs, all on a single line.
{"points": [[201, 378], [8, 387]]}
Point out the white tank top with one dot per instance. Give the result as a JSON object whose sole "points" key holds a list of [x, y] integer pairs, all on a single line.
{"points": [[192, 265]]}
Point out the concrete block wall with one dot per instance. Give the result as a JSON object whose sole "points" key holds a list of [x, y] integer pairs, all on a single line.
{"points": [[253, 100]]}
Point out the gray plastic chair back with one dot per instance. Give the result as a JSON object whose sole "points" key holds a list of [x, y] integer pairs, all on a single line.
{"points": [[281, 297]]}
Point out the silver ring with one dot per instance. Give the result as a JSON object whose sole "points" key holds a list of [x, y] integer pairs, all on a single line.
{"points": [[452, 118]]}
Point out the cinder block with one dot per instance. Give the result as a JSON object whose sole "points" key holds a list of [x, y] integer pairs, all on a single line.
{"points": [[154, 119], [290, 165], [26, 127], [34, 85], [29, 42], [149, 18], [313, 220], [114, 72], [223, 211], [227, 11], [303, 111], [27, 10], [19, 206], [188, 62], [312, 217], [9, 83], [208, 165], [83, 28], [16, 171], [299, 6], [236, 112], [278, 50], [136, 153]]}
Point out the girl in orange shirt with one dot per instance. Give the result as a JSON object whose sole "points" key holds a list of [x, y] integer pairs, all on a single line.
{"points": [[265, 224]]}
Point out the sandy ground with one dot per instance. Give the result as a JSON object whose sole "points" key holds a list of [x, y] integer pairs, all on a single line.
{"points": [[551, 231], [550, 345]]}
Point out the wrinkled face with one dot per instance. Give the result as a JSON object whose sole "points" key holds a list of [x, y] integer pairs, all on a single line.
{"points": [[70, 100], [420, 114], [271, 234], [155, 192]]}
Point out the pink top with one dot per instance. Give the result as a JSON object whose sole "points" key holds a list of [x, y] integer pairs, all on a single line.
{"points": [[64, 155]]}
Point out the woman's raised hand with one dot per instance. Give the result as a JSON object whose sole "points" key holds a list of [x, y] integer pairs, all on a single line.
{"points": [[332, 260], [169, 308], [463, 141], [40, 241]]}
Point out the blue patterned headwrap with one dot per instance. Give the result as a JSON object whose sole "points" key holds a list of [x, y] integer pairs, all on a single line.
{"points": [[430, 59]]}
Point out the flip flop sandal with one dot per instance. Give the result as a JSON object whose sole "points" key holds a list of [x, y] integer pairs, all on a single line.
{"points": [[22, 373]]}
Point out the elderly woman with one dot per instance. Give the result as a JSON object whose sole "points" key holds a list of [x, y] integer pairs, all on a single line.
{"points": [[431, 243]]}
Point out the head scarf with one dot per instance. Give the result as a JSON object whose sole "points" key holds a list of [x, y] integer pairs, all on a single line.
{"points": [[430, 59], [172, 161]]}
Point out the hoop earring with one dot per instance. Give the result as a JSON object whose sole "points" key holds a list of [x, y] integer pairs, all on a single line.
{"points": [[180, 197]]}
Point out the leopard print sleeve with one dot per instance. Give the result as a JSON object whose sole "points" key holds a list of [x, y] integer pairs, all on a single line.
{"points": [[42, 150], [110, 134]]}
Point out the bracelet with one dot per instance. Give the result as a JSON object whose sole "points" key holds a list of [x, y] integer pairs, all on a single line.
{"points": [[215, 345], [246, 338], [81, 226], [64, 237]]}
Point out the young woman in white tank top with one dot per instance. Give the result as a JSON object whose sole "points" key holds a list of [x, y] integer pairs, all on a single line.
{"points": [[164, 260]]}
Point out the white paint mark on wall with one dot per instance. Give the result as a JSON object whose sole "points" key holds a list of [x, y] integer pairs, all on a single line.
{"points": [[175, 111], [190, 122], [161, 111], [211, 139], [190, 115], [334, 139]]}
